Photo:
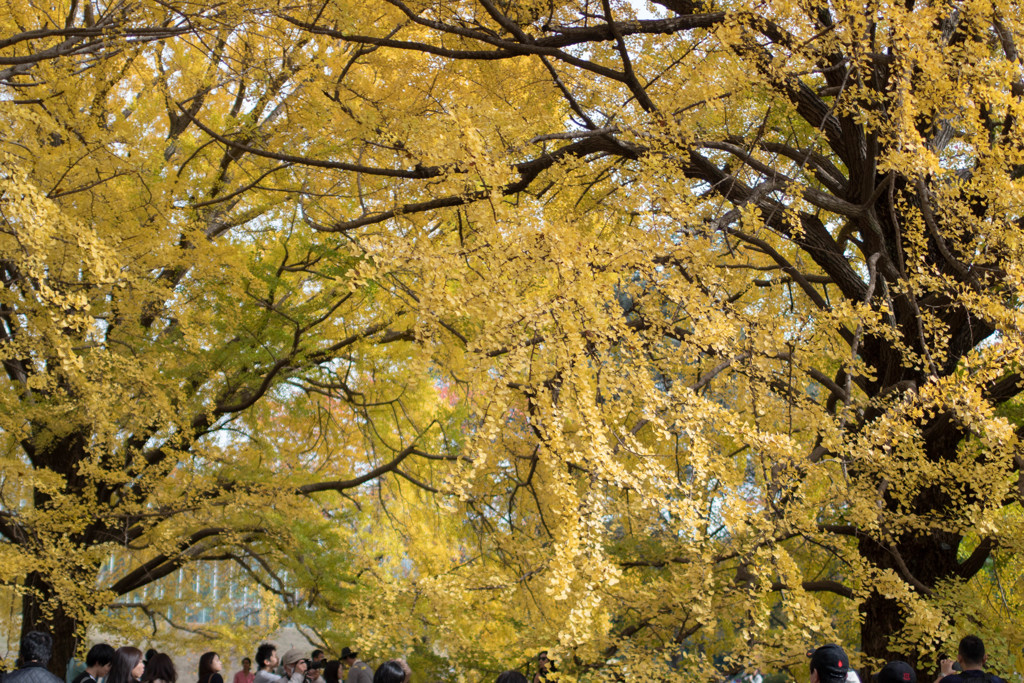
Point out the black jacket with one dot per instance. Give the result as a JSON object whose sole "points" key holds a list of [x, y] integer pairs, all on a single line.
{"points": [[33, 672], [969, 676]]}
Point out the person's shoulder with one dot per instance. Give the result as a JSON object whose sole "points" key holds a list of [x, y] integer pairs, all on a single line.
{"points": [[35, 673], [49, 676]]}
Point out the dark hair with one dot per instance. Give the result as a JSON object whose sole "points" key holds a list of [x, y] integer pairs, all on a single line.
{"points": [[246, 659], [315, 653], [125, 660], [331, 671], [36, 646], [263, 654], [389, 672], [101, 654], [150, 653], [511, 677], [206, 666], [972, 650], [160, 667]]}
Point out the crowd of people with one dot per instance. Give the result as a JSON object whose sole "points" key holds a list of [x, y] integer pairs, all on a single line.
{"points": [[828, 664], [129, 665]]}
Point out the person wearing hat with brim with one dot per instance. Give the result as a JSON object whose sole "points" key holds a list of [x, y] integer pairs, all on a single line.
{"points": [[266, 659], [829, 664], [358, 671], [294, 664]]}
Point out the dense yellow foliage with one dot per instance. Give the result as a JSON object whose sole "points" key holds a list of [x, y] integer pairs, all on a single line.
{"points": [[684, 335]]}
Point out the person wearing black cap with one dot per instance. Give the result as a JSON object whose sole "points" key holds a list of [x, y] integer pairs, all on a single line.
{"points": [[358, 671], [971, 656], [896, 672], [829, 664]]}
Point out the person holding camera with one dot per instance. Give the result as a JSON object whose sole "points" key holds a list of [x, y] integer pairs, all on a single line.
{"points": [[315, 666], [293, 663], [971, 657]]}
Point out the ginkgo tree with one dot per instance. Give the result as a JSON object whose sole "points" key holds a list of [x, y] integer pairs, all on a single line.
{"points": [[175, 349], [733, 292], [726, 294]]}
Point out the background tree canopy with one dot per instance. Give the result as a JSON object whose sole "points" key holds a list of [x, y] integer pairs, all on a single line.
{"points": [[683, 335]]}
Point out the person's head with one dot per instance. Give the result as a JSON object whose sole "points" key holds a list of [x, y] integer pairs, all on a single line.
{"points": [[971, 652], [511, 677], [317, 655], [36, 646], [829, 664], [246, 663], [348, 655], [389, 672], [150, 653], [160, 667], [99, 658], [332, 671], [896, 672], [209, 664], [294, 660], [544, 662], [266, 656], [127, 665]]}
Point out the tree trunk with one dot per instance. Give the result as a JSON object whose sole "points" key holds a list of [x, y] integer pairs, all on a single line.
{"points": [[882, 618], [929, 559], [40, 611]]}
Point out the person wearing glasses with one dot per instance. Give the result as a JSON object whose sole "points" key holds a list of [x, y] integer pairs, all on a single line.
{"points": [[544, 667]]}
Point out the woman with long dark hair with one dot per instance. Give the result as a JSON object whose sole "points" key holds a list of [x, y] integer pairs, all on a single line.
{"points": [[392, 671], [127, 666], [332, 672], [209, 668], [160, 669]]}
